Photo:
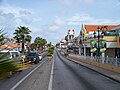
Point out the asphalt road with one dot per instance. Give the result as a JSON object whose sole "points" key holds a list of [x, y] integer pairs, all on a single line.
{"points": [[71, 76], [59, 74], [37, 80]]}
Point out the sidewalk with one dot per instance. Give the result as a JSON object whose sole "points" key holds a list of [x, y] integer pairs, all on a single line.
{"points": [[110, 74]]}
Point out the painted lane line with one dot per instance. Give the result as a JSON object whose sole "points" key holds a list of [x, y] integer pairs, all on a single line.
{"points": [[51, 76], [17, 84]]}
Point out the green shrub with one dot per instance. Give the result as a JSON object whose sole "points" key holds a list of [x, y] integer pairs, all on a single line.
{"points": [[50, 50], [7, 67]]}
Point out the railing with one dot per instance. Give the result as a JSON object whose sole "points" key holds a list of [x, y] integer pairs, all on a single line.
{"points": [[103, 60], [106, 60]]}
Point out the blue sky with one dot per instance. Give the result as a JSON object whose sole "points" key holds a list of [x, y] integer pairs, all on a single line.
{"points": [[50, 19]]}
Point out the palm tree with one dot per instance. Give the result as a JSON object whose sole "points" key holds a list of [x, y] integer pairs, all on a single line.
{"points": [[17, 37], [2, 37], [28, 40], [20, 35]]}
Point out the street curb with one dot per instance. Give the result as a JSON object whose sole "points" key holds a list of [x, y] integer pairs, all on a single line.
{"points": [[93, 69]]}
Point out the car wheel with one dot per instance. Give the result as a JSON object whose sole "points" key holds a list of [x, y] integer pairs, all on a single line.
{"points": [[36, 61]]}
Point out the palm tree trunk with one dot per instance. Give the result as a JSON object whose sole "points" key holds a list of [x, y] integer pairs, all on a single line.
{"points": [[23, 44], [22, 47]]}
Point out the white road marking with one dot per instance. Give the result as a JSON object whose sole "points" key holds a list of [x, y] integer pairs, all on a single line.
{"points": [[17, 84], [51, 76]]}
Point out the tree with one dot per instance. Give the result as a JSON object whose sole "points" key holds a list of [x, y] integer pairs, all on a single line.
{"points": [[22, 35], [28, 40], [49, 44], [40, 42], [33, 46], [2, 37]]}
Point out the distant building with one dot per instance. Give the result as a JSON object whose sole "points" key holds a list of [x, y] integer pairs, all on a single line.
{"points": [[9, 41], [14, 47], [63, 44], [70, 37], [111, 35], [10, 44]]}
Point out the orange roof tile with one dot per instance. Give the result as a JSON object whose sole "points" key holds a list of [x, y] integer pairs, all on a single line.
{"points": [[92, 28], [4, 46], [9, 46], [14, 45]]}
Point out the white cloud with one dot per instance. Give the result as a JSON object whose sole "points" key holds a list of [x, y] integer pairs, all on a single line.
{"points": [[53, 28], [71, 2], [79, 19], [67, 2], [74, 23], [58, 21], [118, 4], [36, 30], [88, 1], [12, 17], [57, 24], [2, 1]]}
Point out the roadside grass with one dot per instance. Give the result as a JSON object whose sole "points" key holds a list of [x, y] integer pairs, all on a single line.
{"points": [[8, 68]]}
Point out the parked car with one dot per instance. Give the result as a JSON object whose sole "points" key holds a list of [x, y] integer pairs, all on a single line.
{"points": [[33, 57], [5, 54]]}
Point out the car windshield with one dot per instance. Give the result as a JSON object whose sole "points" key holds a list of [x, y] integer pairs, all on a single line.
{"points": [[32, 54], [15, 54]]}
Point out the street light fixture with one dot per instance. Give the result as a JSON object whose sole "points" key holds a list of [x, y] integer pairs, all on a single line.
{"points": [[100, 35], [98, 41]]}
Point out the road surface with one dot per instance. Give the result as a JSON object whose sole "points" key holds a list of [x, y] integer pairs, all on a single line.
{"points": [[71, 76], [61, 74]]}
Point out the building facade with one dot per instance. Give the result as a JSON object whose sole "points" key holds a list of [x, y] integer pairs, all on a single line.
{"points": [[90, 43]]}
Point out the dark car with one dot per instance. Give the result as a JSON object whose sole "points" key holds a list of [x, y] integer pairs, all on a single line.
{"points": [[33, 57]]}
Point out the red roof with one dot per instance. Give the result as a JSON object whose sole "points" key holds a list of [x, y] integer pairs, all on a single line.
{"points": [[13, 45], [9, 46], [92, 28], [4, 47]]}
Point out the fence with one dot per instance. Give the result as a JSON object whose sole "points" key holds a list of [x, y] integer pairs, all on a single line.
{"points": [[105, 60]]}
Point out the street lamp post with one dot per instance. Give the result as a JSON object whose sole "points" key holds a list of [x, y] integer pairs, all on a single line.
{"points": [[84, 47], [98, 53], [98, 37]]}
